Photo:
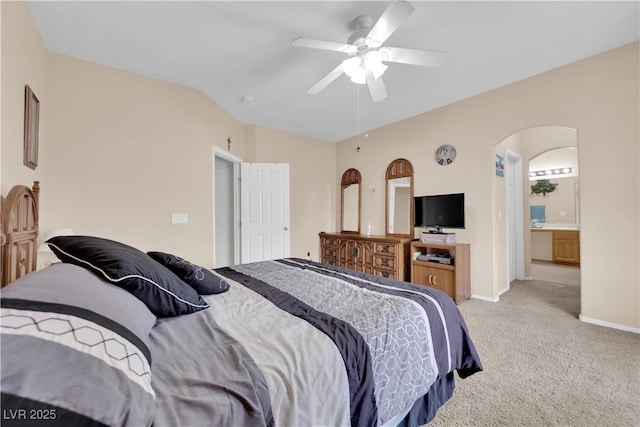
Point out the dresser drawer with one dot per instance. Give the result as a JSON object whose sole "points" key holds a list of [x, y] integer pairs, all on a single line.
{"points": [[385, 273], [329, 252], [330, 261], [330, 241], [384, 262], [382, 248]]}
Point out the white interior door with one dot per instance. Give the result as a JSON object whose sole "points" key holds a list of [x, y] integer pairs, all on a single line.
{"points": [[511, 218], [264, 211], [515, 215]]}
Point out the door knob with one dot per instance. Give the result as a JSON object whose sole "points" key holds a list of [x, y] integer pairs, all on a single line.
{"points": [[286, 228]]}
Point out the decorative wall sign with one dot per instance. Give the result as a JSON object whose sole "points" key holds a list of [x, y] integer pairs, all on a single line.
{"points": [[499, 165], [31, 128]]}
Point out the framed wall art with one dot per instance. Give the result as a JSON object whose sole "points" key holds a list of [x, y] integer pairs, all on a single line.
{"points": [[31, 128]]}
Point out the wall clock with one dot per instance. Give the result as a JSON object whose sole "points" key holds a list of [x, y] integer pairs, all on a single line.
{"points": [[445, 154]]}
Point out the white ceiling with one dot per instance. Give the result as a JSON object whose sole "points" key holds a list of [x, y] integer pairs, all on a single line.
{"points": [[231, 50]]}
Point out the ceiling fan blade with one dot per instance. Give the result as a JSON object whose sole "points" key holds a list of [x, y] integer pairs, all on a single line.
{"points": [[376, 87], [426, 58], [395, 14], [324, 45], [326, 80]]}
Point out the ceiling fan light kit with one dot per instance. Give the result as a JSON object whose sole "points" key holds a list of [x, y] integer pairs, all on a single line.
{"points": [[366, 53], [356, 67]]}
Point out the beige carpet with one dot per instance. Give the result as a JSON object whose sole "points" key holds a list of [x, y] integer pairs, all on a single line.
{"points": [[543, 367]]}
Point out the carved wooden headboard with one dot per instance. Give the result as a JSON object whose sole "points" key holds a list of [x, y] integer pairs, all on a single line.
{"points": [[19, 231]]}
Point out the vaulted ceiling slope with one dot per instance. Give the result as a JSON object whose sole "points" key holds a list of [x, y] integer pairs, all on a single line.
{"points": [[240, 54]]}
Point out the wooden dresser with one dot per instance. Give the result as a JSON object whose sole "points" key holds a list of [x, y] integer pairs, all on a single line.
{"points": [[380, 255]]}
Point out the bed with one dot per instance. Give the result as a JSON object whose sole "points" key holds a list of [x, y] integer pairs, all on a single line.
{"points": [[116, 336]]}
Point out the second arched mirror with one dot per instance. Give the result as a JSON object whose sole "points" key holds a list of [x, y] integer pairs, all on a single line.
{"points": [[350, 198], [399, 198]]}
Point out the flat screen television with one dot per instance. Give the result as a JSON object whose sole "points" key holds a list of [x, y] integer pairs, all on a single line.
{"points": [[439, 211]]}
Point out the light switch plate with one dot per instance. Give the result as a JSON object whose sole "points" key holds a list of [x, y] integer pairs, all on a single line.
{"points": [[179, 218]]}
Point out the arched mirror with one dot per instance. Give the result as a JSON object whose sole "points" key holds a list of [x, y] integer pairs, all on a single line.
{"points": [[399, 198], [351, 186]]}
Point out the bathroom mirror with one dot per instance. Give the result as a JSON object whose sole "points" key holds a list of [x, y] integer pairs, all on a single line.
{"points": [[350, 200], [399, 198]]}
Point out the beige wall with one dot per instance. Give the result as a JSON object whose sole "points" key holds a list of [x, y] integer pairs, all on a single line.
{"points": [[542, 245], [598, 97], [24, 61], [128, 151]]}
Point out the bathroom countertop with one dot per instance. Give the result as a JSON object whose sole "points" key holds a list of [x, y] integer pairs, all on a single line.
{"points": [[556, 227]]}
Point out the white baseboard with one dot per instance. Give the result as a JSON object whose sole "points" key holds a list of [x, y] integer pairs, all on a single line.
{"points": [[503, 290], [490, 299], [609, 324], [528, 278], [483, 298]]}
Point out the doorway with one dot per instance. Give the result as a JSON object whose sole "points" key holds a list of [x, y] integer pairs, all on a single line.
{"points": [[250, 210], [515, 217], [554, 209], [521, 149], [226, 208]]}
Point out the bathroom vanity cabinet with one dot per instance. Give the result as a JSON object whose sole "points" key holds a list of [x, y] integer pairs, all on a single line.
{"points": [[560, 246], [566, 247]]}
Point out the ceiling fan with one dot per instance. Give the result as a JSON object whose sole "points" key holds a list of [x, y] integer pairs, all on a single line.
{"points": [[366, 53]]}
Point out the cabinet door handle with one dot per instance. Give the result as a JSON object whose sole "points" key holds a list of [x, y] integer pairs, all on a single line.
{"points": [[429, 279], [435, 280]]}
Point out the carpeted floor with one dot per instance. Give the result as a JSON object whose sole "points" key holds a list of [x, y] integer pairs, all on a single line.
{"points": [[543, 367]]}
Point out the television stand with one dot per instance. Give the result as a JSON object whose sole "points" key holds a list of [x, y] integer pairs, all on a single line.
{"points": [[441, 266]]}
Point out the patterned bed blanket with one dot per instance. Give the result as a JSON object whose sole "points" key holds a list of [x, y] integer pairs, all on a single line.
{"points": [[291, 343], [54, 355], [294, 342]]}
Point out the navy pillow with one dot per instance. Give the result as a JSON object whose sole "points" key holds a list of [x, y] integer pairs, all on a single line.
{"points": [[199, 278], [132, 270]]}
